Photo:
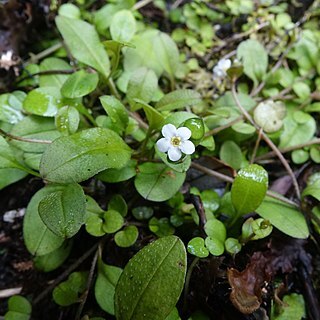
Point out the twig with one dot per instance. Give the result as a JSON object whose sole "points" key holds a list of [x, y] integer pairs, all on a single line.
{"points": [[36, 57], [254, 153], [141, 4], [266, 139], [228, 179], [88, 285], [198, 205], [288, 149], [225, 126], [46, 72], [141, 123], [63, 275], [10, 136]]}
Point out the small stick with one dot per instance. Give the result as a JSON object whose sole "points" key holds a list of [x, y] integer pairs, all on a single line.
{"points": [[10, 136]]}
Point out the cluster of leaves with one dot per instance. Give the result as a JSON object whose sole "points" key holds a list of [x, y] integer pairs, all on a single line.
{"points": [[95, 109]]}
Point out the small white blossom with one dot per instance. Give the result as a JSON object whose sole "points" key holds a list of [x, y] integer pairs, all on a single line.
{"points": [[220, 69], [6, 60], [175, 142]]}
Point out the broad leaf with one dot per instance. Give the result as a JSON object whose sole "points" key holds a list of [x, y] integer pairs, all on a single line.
{"points": [[123, 26], [116, 111], [84, 43], [19, 308], [79, 84], [178, 99], [63, 211], [152, 292], [284, 217], [255, 59], [82, 155], [167, 52], [142, 85], [38, 238], [249, 188], [126, 237], [157, 182], [53, 80], [106, 282]]}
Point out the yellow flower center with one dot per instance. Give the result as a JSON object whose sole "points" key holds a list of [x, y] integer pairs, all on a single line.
{"points": [[176, 141]]}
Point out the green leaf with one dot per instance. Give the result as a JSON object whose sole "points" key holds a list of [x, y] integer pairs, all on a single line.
{"points": [[152, 292], [244, 128], [54, 259], [197, 248], [79, 84], [157, 182], [231, 154], [215, 246], [178, 99], [106, 282], [69, 291], [34, 127], [113, 221], [181, 166], [155, 118], [63, 210], [82, 155], [167, 52], [69, 10], [9, 112], [67, 120], [215, 229], [299, 127], [142, 213], [44, 101], [116, 111], [123, 26], [119, 204], [84, 43], [10, 175], [161, 227], [255, 59], [232, 245], [19, 308], [53, 80], [284, 217], [38, 238], [126, 237], [249, 188], [313, 190], [118, 175], [292, 308], [142, 85]]}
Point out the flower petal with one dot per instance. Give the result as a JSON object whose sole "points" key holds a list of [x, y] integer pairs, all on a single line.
{"points": [[163, 145], [169, 131], [184, 133], [174, 154], [187, 147]]}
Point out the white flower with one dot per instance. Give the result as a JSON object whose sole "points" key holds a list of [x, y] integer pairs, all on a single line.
{"points": [[175, 141], [220, 70]]}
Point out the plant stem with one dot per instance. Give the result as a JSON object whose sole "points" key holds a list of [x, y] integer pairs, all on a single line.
{"points": [[226, 126], [288, 149], [36, 57], [88, 285], [266, 139], [187, 283], [141, 4], [113, 88], [10, 136]]}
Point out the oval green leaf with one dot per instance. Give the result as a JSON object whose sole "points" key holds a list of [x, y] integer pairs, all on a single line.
{"points": [[157, 182], [38, 238], [63, 211], [82, 155], [79, 84], [126, 237], [284, 217], [249, 188], [123, 26], [83, 41], [152, 292]]}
